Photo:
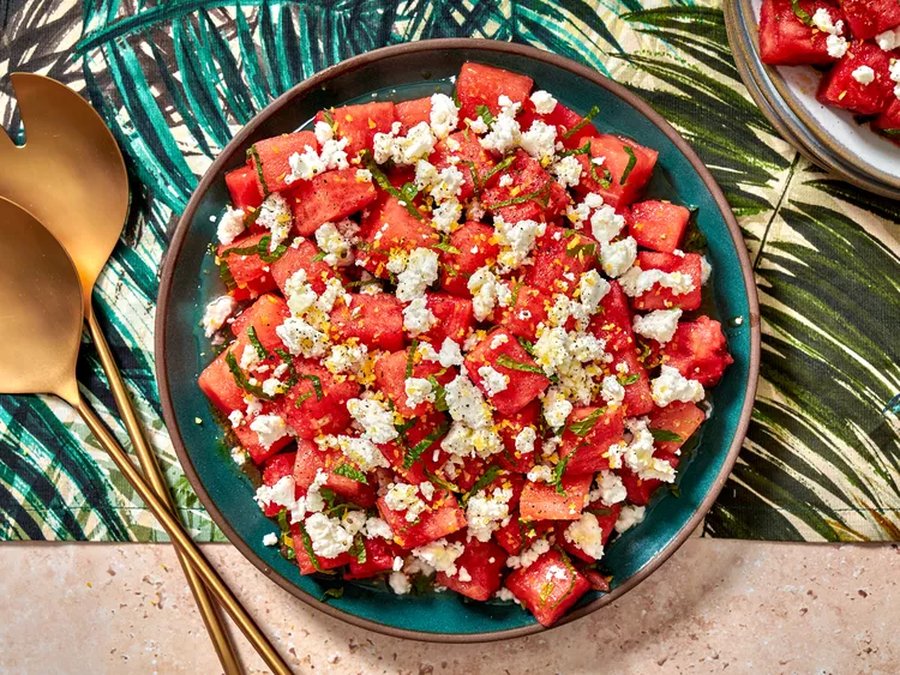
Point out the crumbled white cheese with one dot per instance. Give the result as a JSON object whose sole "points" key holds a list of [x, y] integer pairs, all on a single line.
{"points": [[418, 390], [659, 325], [399, 583], [269, 429], [333, 154], [487, 290], [586, 534], [592, 288], [637, 281], [346, 358], [466, 404], [671, 386], [376, 528], [889, 39], [417, 144], [499, 340], [540, 473], [612, 391], [505, 133], [280, 494], [417, 317], [556, 409], [540, 141], [836, 46], [270, 539], [611, 489], [301, 338], [329, 538], [525, 440], [705, 270], [403, 496], [304, 165], [230, 226], [528, 557], [605, 223], [450, 354], [446, 215], [444, 115], [420, 272], [543, 101], [336, 241], [822, 20], [275, 215], [516, 240], [894, 74], [376, 420], [216, 313], [441, 555], [485, 512], [629, 517], [864, 75], [493, 381], [567, 171], [617, 257], [359, 450], [323, 131]]}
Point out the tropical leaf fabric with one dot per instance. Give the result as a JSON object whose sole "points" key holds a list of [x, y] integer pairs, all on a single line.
{"points": [[175, 80]]}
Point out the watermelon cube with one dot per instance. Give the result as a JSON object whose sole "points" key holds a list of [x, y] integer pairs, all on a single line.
{"points": [[541, 501], [548, 587], [612, 323], [328, 197], [589, 433], [317, 403], [442, 517], [888, 123], [471, 247], [699, 351], [663, 297], [679, 420], [390, 378], [274, 469], [479, 570], [359, 123], [846, 86], [269, 158], [379, 557], [248, 275], [634, 378], [411, 113], [389, 227], [375, 320], [626, 169], [532, 193], [264, 315], [512, 458], [868, 18], [302, 254], [529, 309], [525, 380], [462, 149], [455, 318], [307, 560], [606, 518], [561, 256], [657, 225], [480, 85], [785, 39], [243, 186]]}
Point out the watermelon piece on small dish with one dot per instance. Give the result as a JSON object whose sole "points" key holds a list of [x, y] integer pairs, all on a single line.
{"points": [[868, 18], [860, 81], [787, 36]]}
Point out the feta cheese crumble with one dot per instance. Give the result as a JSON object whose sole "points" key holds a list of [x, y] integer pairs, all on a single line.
{"points": [[216, 313], [230, 226], [586, 534], [671, 386], [376, 420], [864, 75], [492, 380], [659, 325]]}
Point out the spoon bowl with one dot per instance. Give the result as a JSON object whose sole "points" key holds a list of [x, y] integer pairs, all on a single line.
{"points": [[69, 173], [40, 326]]}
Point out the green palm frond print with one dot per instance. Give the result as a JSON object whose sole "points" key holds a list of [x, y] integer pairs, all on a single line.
{"points": [[175, 80]]}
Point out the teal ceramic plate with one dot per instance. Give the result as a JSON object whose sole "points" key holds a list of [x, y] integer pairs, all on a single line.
{"points": [[190, 280]]}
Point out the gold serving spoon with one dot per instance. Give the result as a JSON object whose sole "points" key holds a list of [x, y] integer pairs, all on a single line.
{"points": [[71, 175], [42, 319]]}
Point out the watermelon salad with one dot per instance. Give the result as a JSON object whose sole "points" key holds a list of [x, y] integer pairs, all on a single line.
{"points": [[460, 348], [855, 42]]}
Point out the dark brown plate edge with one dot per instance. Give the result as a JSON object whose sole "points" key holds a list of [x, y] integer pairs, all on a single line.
{"points": [[181, 231]]}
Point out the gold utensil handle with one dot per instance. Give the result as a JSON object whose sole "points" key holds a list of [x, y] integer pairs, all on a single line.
{"points": [[217, 632], [182, 541]]}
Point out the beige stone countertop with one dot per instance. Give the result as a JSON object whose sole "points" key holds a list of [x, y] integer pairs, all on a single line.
{"points": [[716, 605]]}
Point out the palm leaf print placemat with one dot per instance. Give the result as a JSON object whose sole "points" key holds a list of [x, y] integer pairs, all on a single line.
{"points": [[175, 80]]}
